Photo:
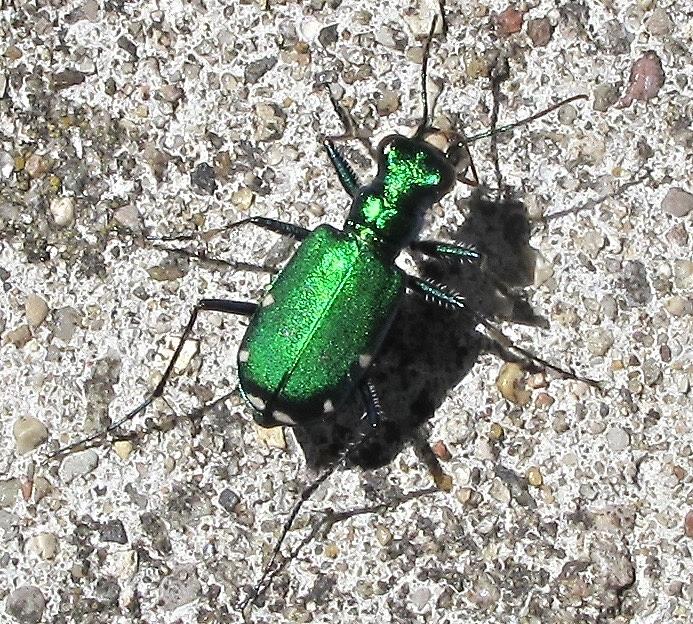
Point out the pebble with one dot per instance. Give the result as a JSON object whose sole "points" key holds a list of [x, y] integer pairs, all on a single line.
{"points": [[128, 216], [123, 448], [26, 604], [383, 535], [604, 96], [36, 310], [484, 593], [420, 597], [67, 320], [29, 433], [202, 178], [659, 23], [543, 269], [646, 79], [500, 491], [496, 431], [9, 488], [78, 465], [539, 31], [228, 499], [19, 336], [510, 384], [43, 545], [677, 202], [179, 588], [257, 69], [678, 306], [63, 210], [36, 166], [113, 531], [243, 199], [683, 274], [617, 438], [600, 341], [534, 477], [441, 451], [388, 103], [272, 437], [6, 164], [688, 524], [509, 21]]}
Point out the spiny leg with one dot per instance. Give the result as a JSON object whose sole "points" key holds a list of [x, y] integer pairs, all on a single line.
{"points": [[448, 298], [243, 308], [370, 419], [446, 251], [273, 225], [345, 173]]}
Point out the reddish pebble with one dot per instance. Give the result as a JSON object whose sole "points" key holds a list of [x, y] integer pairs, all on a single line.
{"points": [[688, 524], [646, 79], [441, 451], [539, 31], [509, 21]]}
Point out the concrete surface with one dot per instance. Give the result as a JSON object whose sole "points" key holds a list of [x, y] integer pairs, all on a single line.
{"points": [[122, 120]]}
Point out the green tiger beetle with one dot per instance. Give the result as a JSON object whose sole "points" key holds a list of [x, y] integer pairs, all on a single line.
{"points": [[316, 332]]}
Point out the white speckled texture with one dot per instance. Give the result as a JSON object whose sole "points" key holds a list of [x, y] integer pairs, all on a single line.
{"points": [[600, 536]]}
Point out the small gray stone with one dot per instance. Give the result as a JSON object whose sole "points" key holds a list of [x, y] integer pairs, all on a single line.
{"points": [[180, 588], [659, 23], [600, 341], [36, 310], [604, 96], [257, 69], [617, 438], [67, 320], [78, 464], [113, 531], [420, 597], [29, 433], [9, 488], [63, 210], [677, 202], [26, 604], [228, 500], [6, 164]]}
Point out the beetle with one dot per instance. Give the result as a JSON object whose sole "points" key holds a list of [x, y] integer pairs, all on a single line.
{"points": [[314, 335]]}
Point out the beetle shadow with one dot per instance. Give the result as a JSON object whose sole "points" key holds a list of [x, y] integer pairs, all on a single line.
{"points": [[429, 349]]}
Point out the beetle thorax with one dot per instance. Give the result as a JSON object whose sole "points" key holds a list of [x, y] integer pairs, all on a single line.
{"points": [[412, 175]]}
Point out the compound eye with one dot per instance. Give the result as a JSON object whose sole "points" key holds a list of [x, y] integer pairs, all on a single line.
{"points": [[386, 144]]}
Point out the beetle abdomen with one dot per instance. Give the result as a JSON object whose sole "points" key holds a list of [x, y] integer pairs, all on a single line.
{"points": [[317, 328]]}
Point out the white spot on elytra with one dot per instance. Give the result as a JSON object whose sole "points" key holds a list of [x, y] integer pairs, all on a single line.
{"points": [[283, 417], [365, 360], [268, 301], [328, 406], [243, 356], [256, 402]]}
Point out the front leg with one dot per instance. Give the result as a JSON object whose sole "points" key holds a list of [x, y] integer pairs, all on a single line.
{"points": [[448, 298], [446, 251]]}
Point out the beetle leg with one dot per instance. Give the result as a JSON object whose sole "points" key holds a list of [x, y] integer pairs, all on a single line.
{"points": [[273, 225], [446, 251], [448, 298], [344, 170], [243, 308], [370, 419]]}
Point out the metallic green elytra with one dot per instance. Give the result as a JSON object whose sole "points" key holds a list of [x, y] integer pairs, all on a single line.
{"points": [[322, 321]]}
